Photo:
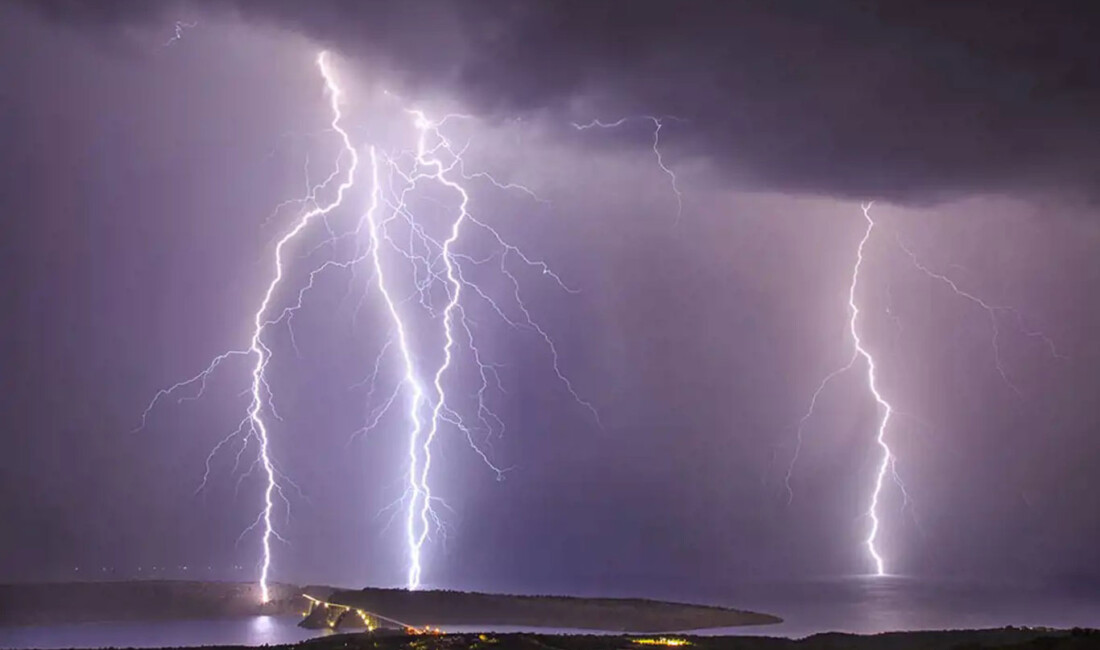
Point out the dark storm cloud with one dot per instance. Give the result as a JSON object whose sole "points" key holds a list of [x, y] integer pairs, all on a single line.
{"points": [[910, 101]]}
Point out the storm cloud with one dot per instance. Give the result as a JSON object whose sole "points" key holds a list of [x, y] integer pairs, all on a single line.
{"points": [[897, 100]]}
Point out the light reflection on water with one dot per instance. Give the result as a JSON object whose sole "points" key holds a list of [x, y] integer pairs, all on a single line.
{"points": [[860, 605]]}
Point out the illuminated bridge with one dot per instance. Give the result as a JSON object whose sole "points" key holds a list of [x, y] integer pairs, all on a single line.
{"points": [[322, 614]]}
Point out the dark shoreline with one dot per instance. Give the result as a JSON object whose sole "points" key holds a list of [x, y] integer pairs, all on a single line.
{"points": [[46, 603], [1002, 638], [625, 615], [992, 639]]}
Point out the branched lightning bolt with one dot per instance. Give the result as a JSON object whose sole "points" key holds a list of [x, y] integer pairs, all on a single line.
{"points": [[437, 262], [177, 32], [880, 437], [253, 426], [658, 123], [201, 379], [437, 267], [993, 311], [418, 486], [263, 354], [429, 166], [806, 418], [888, 462], [439, 174]]}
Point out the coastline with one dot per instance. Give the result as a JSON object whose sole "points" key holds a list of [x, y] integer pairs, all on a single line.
{"points": [[989, 639], [73, 602]]}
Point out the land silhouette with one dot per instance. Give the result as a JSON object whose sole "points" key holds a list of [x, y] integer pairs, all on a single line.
{"points": [[43, 604], [167, 600]]}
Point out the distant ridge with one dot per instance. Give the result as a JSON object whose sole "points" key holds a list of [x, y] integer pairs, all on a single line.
{"points": [[448, 608]]}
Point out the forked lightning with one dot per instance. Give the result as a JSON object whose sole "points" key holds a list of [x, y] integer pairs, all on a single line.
{"points": [[257, 427]]}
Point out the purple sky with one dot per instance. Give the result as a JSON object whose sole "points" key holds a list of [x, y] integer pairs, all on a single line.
{"points": [[137, 182]]}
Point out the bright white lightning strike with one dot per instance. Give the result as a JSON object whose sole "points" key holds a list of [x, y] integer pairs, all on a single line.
{"points": [[259, 390], [420, 516], [883, 405], [418, 486], [417, 539], [259, 381], [437, 263], [888, 461]]}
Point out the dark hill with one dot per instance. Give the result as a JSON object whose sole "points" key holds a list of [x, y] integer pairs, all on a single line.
{"points": [[446, 608]]}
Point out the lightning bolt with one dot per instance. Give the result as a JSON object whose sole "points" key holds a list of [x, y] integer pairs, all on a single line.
{"points": [[254, 426], [429, 166], [439, 263], [439, 173], [888, 462], [993, 311], [806, 418], [418, 486], [880, 437], [658, 123], [438, 267], [177, 32], [260, 388]]}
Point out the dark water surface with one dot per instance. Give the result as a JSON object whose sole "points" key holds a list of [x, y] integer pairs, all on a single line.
{"points": [[861, 605], [254, 631], [870, 604]]}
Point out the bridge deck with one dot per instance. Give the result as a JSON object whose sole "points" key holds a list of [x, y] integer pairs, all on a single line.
{"points": [[334, 615]]}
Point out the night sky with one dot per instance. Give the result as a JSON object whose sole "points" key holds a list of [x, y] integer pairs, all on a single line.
{"points": [[141, 178]]}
